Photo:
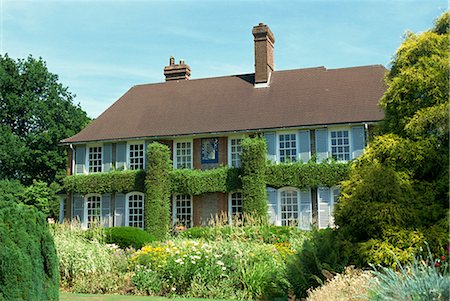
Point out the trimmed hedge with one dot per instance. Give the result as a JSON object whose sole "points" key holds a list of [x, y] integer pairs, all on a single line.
{"points": [[157, 190], [126, 237], [196, 182], [28, 262], [108, 182], [304, 175]]}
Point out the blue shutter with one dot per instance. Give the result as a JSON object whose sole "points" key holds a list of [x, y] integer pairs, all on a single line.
{"points": [[324, 207], [78, 208], [119, 211], [304, 146], [121, 155], [80, 158], [106, 210], [305, 219], [321, 144], [62, 200], [272, 205], [271, 141], [107, 157], [358, 142]]}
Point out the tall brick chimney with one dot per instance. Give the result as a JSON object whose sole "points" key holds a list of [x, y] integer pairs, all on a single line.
{"points": [[264, 64], [179, 71]]}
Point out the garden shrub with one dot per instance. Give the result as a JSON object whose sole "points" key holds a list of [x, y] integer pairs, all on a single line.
{"points": [[157, 190], [126, 237], [321, 256], [89, 266], [215, 269], [28, 262], [416, 281]]}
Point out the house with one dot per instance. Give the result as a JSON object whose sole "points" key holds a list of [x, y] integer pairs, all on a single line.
{"points": [[304, 114]]}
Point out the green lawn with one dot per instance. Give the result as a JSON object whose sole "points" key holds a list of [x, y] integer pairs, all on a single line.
{"points": [[73, 297]]}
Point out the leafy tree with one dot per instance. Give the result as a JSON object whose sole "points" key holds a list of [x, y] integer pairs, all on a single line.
{"points": [[36, 112], [397, 194]]}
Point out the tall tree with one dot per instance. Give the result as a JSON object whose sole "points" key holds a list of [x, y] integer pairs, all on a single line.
{"points": [[397, 194], [36, 112]]}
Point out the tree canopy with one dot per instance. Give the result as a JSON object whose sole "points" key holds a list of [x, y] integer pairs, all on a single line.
{"points": [[397, 194], [36, 112]]}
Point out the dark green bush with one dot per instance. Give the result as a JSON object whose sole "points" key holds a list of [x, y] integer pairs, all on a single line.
{"points": [[128, 236], [319, 258], [28, 262]]}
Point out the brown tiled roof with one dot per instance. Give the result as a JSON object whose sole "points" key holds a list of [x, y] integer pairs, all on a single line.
{"points": [[302, 97]]}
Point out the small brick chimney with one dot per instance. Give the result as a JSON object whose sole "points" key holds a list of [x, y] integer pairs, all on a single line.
{"points": [[264, 64], [179, 71]]}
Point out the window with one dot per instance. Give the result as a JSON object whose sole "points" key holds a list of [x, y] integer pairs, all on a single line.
{"points": [[287, 147], [95, 159], [235, 152], [136, 156], [340, 145], [135, 210], [289, 207], [182, 210], [183, 155], [235, 205], [210, 150], [93, 210]]}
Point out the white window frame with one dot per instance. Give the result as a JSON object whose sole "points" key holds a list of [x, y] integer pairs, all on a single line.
{"points": [[229, 149], [175, 161], [129, 143], [279, 192], [278, 134], [87, 166], [85, 209], [331, 191], [350, 142], [230, 204], [279, 217], [127, 207], [174, 209]]}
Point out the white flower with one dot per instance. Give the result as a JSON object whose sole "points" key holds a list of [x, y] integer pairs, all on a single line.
{"points": [[224, 268], [174, 288], [220, 262], [193, 262]]}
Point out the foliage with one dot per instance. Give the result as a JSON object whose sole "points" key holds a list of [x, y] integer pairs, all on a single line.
{"points": [[196, 182], [316, 261], [28, 262], [43, 197], [11, 190], [226, 269], [157, 190], [416, 281], [304, 175], [126, 237], [352, 284], [89, 266], [107, 182], [36, 113], [253, 160], [397, 192]]}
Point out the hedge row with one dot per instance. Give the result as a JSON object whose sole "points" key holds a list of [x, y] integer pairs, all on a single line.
{"points": [[222, 179]]}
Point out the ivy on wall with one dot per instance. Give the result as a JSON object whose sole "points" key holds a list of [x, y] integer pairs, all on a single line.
{"points": [[222, 179], [253, 158], [108, 182], [157, 190], [196, 182], [304, 175]]}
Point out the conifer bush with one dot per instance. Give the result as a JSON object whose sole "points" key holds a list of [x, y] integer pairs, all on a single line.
{"points": [[126, 237], [28, 261]]}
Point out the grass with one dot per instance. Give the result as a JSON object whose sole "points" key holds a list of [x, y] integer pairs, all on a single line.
{"points": [[88, 297]]}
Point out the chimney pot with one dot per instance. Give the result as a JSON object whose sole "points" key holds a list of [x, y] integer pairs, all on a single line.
{"points": [[264, 62], [179, 71]]}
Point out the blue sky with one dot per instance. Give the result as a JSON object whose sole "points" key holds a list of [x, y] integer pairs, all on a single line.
{"points": [[100, 49]]}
